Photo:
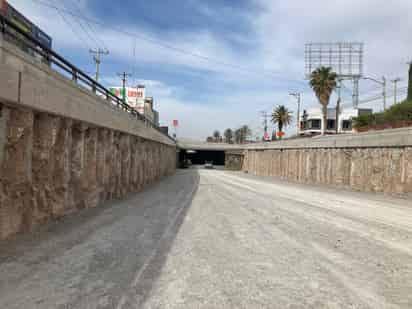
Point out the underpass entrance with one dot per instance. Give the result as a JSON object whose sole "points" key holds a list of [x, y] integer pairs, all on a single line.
{"points": [[199, 157]]}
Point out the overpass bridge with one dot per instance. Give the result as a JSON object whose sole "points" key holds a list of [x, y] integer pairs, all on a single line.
{"points": [[198, 152]]}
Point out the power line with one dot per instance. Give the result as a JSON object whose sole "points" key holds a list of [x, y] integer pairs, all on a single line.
{"points": [[171, 47], [93, 35], [76, 34], [78, 21], [379, 97]]}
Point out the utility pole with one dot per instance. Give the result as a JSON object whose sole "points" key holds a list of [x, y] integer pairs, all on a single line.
{"points": [[395, 89], [297, 95], [265, 125], [383, 84], [97, 59], [355, 92], [124, 76]]}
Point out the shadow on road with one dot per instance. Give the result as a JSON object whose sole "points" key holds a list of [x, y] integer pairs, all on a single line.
{"points": [[147, 276], [114, 252]]}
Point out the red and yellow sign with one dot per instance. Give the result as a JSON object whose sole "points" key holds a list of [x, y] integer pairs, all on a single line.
{"points": [[3, 7]]}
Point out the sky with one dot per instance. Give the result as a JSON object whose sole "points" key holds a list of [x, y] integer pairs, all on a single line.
{"points": [[217, 64]]}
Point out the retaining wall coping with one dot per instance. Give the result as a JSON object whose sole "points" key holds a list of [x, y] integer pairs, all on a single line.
{"points": [[401, 137]]}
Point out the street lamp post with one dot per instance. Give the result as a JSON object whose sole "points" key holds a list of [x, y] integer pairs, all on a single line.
{"points": [[297, 95], [395, 90], [339, 87]]}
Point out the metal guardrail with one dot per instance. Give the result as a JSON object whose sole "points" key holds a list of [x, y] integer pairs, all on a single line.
{"points": [[9, 29]]}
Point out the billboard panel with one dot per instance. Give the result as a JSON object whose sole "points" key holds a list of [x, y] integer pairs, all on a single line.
{"points": [[133, 96]]}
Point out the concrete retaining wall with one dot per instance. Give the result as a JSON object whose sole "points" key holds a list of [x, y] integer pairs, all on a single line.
{"points": [[374, 162], [63, 149], [52, 166]]}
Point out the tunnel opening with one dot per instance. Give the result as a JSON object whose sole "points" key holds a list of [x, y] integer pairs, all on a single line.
{"points": [[200, 157]]}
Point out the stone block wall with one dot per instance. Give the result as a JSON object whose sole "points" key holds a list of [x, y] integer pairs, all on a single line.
{"points": [[233, 160], [374, 169], [51, 166]]}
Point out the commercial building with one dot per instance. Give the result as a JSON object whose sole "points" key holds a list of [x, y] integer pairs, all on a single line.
{"points": [[136, 98], [311, 121]]}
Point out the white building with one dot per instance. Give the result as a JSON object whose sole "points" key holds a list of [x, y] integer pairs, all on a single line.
{"points": [[311, 120]]}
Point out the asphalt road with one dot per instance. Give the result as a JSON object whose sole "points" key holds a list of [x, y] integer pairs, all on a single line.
{"points": [[216, 239]]}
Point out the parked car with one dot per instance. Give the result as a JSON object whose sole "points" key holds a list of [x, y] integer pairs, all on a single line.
{"points": [[209, 164]]}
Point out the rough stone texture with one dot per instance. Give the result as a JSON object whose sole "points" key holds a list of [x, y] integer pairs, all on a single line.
{"points": [[386, 169], [233, 160], [52, 166]]}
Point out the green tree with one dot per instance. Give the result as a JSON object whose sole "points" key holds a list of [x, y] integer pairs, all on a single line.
{"points": [[238, 136], [228, 136], [246, 132], [282, 117], [242, 134], [323, 82], [209, 139], [216, 136]]}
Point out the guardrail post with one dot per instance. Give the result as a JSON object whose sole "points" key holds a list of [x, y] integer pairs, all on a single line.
{"points": [[74, 76]]}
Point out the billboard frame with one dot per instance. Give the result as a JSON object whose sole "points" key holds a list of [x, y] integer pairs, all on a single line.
{"points": [[345, 58]]}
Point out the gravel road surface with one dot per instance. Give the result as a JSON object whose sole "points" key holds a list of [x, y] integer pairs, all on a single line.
{"points": [[217, 239]]}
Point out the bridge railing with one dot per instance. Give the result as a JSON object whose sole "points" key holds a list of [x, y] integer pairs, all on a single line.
{"points": [[35, 47]]}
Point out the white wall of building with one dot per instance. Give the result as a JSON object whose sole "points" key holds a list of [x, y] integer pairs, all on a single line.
{"points": [[345, 115]]}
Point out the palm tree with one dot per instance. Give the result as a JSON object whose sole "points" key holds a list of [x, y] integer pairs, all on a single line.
{"points": [[228, 135], [282, 117], [323, 82], [216, 136]]}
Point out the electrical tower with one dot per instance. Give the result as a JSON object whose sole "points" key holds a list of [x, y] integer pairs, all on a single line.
{"points": [[265, 117], [298, 96], [97, 59]]}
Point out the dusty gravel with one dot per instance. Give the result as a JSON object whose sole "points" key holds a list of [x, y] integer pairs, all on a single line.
{"points": [[216, 239]]}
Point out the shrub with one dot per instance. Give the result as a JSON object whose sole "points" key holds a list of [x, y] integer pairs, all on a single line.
{"points": [[396, 113]]}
